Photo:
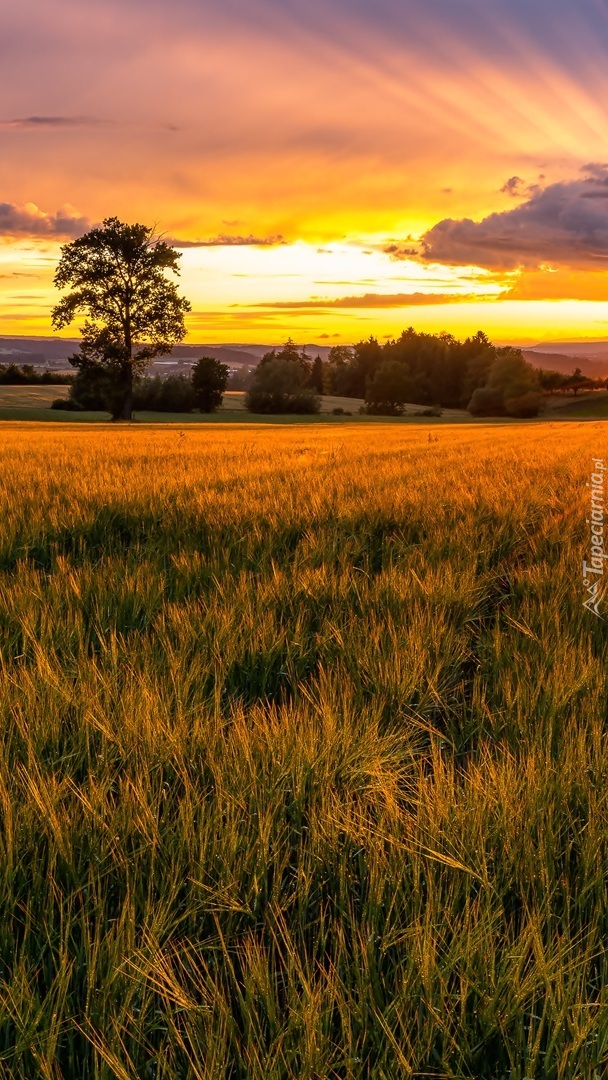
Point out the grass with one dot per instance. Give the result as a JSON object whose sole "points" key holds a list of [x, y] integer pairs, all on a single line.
{"points": [[33, 403], [303, 767], [594, 406], [595, 398], [30, 397]]}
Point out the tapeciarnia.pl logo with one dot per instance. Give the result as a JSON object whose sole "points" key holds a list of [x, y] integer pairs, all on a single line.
{"points": [[593, 569]]}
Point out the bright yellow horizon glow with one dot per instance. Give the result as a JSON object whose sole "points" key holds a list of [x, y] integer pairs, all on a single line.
{"points": [[400, 123], [328, 293]]}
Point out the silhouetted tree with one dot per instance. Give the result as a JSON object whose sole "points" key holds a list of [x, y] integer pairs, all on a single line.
{"points": [[337, 370], [551, 381], [116, 274], [209, 379], [577, 381], [316, 375], [367, 358], [281, 386], [512, 388], [27, 375], [389, 389]]}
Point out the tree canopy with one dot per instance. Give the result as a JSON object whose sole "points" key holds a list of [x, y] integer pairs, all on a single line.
{"points": [[133, 312], [434, 370], [209, 380], [281, 384]]}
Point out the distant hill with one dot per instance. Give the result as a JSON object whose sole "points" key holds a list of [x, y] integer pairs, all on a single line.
{"points": [[53, 352], [590, 356], [565, 363], [35, 350], [591, 349]]}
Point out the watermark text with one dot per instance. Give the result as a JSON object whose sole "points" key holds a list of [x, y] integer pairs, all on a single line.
{"points": [[594, 563]]}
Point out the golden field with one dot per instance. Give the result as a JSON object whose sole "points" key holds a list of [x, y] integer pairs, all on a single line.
{"points": [[304, 768]]}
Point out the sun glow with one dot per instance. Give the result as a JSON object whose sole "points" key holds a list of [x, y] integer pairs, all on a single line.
{"points": [[409, 116]]}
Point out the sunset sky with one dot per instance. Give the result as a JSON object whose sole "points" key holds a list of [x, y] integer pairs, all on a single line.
{"points": [[330, 169]]}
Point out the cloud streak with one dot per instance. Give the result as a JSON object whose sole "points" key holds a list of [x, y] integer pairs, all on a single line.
{"points": [[410, 118], [41, 122], [377, 300], [226, 240]]}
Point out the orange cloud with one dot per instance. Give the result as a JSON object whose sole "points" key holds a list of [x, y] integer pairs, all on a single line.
{"points": [[328, 123], [379, 300]]}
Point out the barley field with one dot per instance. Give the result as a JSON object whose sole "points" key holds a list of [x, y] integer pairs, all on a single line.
{"points": [[304, 768]]}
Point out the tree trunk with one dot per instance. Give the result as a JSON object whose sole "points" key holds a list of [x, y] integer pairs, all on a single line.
{"points": [[127, 403], [127, 407]]}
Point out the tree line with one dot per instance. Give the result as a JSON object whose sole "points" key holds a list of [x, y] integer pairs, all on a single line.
{"points": [[115, 275], [93, 389], [438, 370], [435, 371], [28, 375]]}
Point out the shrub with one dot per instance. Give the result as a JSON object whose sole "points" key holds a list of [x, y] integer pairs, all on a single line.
{"points": [[433, 410], [66, 404], [91, 389], [280, 386], [382, 408], [28, 375], [174, 394], [526, 405], [512, 388], [337, 411], [487, 401]]}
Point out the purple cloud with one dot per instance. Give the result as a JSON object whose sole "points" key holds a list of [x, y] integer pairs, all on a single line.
{"points": [[29, 220], [513, 187], [565, 223]]}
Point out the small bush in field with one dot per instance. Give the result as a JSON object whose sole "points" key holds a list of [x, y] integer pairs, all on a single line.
{"points": [[281, 386], [171, 393], [66, 405]]}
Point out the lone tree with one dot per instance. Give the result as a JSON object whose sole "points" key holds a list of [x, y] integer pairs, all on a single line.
{"points": [[209, 379], [116, 274]]}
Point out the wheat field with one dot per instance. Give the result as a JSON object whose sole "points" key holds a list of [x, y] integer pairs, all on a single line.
{"points": [[303, 766]]}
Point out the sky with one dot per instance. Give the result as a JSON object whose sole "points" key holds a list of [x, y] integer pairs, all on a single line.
{"points": [[328, 170]]}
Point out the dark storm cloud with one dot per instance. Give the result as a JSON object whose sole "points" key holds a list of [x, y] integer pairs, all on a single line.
{"points": [[563, 224]]}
